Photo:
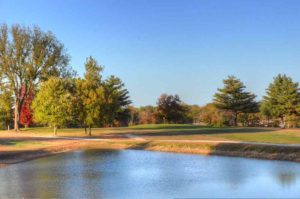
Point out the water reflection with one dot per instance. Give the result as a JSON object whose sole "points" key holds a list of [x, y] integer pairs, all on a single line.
{"points": [[287, 178], [286, 174], [142, 174]]}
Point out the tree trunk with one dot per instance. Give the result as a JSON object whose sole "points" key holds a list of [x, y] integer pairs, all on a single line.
{"points": [[90, 131], [17, 117], [18, 107], [55, 130], [282, 122], [85, 130], [235, 119]]}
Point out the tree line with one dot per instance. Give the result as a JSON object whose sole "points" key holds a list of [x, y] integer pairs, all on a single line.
{"points": [[38, 87], [232, 105]]}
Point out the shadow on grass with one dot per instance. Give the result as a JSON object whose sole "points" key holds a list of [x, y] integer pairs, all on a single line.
{"points": [[17, 141], [10, 142], [13, 157], [139, 146], [166, 127], [196, 131]]}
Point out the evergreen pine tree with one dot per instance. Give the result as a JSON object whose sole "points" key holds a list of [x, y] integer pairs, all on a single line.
{"points": [[234, 98], [282, 99]]}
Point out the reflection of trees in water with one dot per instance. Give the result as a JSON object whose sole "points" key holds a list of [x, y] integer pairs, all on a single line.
{"points": [[89, 173], [32, 179], [285, 173], [235, 171], [286, 179], [69, 175], [12, 184], [96, 173]]}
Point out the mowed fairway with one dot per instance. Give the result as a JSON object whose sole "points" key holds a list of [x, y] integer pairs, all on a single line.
{"points": [[176, 132], [191, 132]]}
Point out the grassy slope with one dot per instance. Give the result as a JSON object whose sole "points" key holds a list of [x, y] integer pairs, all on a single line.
{"points": [[186, 132], [268, 135]]}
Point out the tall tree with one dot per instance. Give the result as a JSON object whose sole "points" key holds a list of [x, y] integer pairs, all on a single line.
{"points": [[91, 93], [170, 109], [27, 57], [116, 102], [282, 99], [53, 103], [234, 98]]}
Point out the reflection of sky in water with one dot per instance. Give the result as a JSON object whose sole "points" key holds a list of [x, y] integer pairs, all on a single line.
{"points": [[144, 174]]}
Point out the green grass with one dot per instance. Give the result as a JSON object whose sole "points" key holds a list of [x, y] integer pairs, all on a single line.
{"points": [[269, 137], [185, 131], [20, 143], [246, 134]]}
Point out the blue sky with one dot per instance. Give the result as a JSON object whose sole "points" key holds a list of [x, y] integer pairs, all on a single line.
{"points": [[183, 47]]}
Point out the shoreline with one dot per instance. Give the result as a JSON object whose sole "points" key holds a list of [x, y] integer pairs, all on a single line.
{"points": [[14, 157], [284, 153]]}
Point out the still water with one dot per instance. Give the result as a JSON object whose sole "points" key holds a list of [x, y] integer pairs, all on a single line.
{"points": [[144, 174]]}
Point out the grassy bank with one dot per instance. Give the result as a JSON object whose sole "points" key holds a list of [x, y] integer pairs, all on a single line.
{"points": [[16, 153], [288, 153], [38, 142]]}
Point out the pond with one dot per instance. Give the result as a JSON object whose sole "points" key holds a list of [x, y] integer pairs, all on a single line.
{"points": [[145, 174]]}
